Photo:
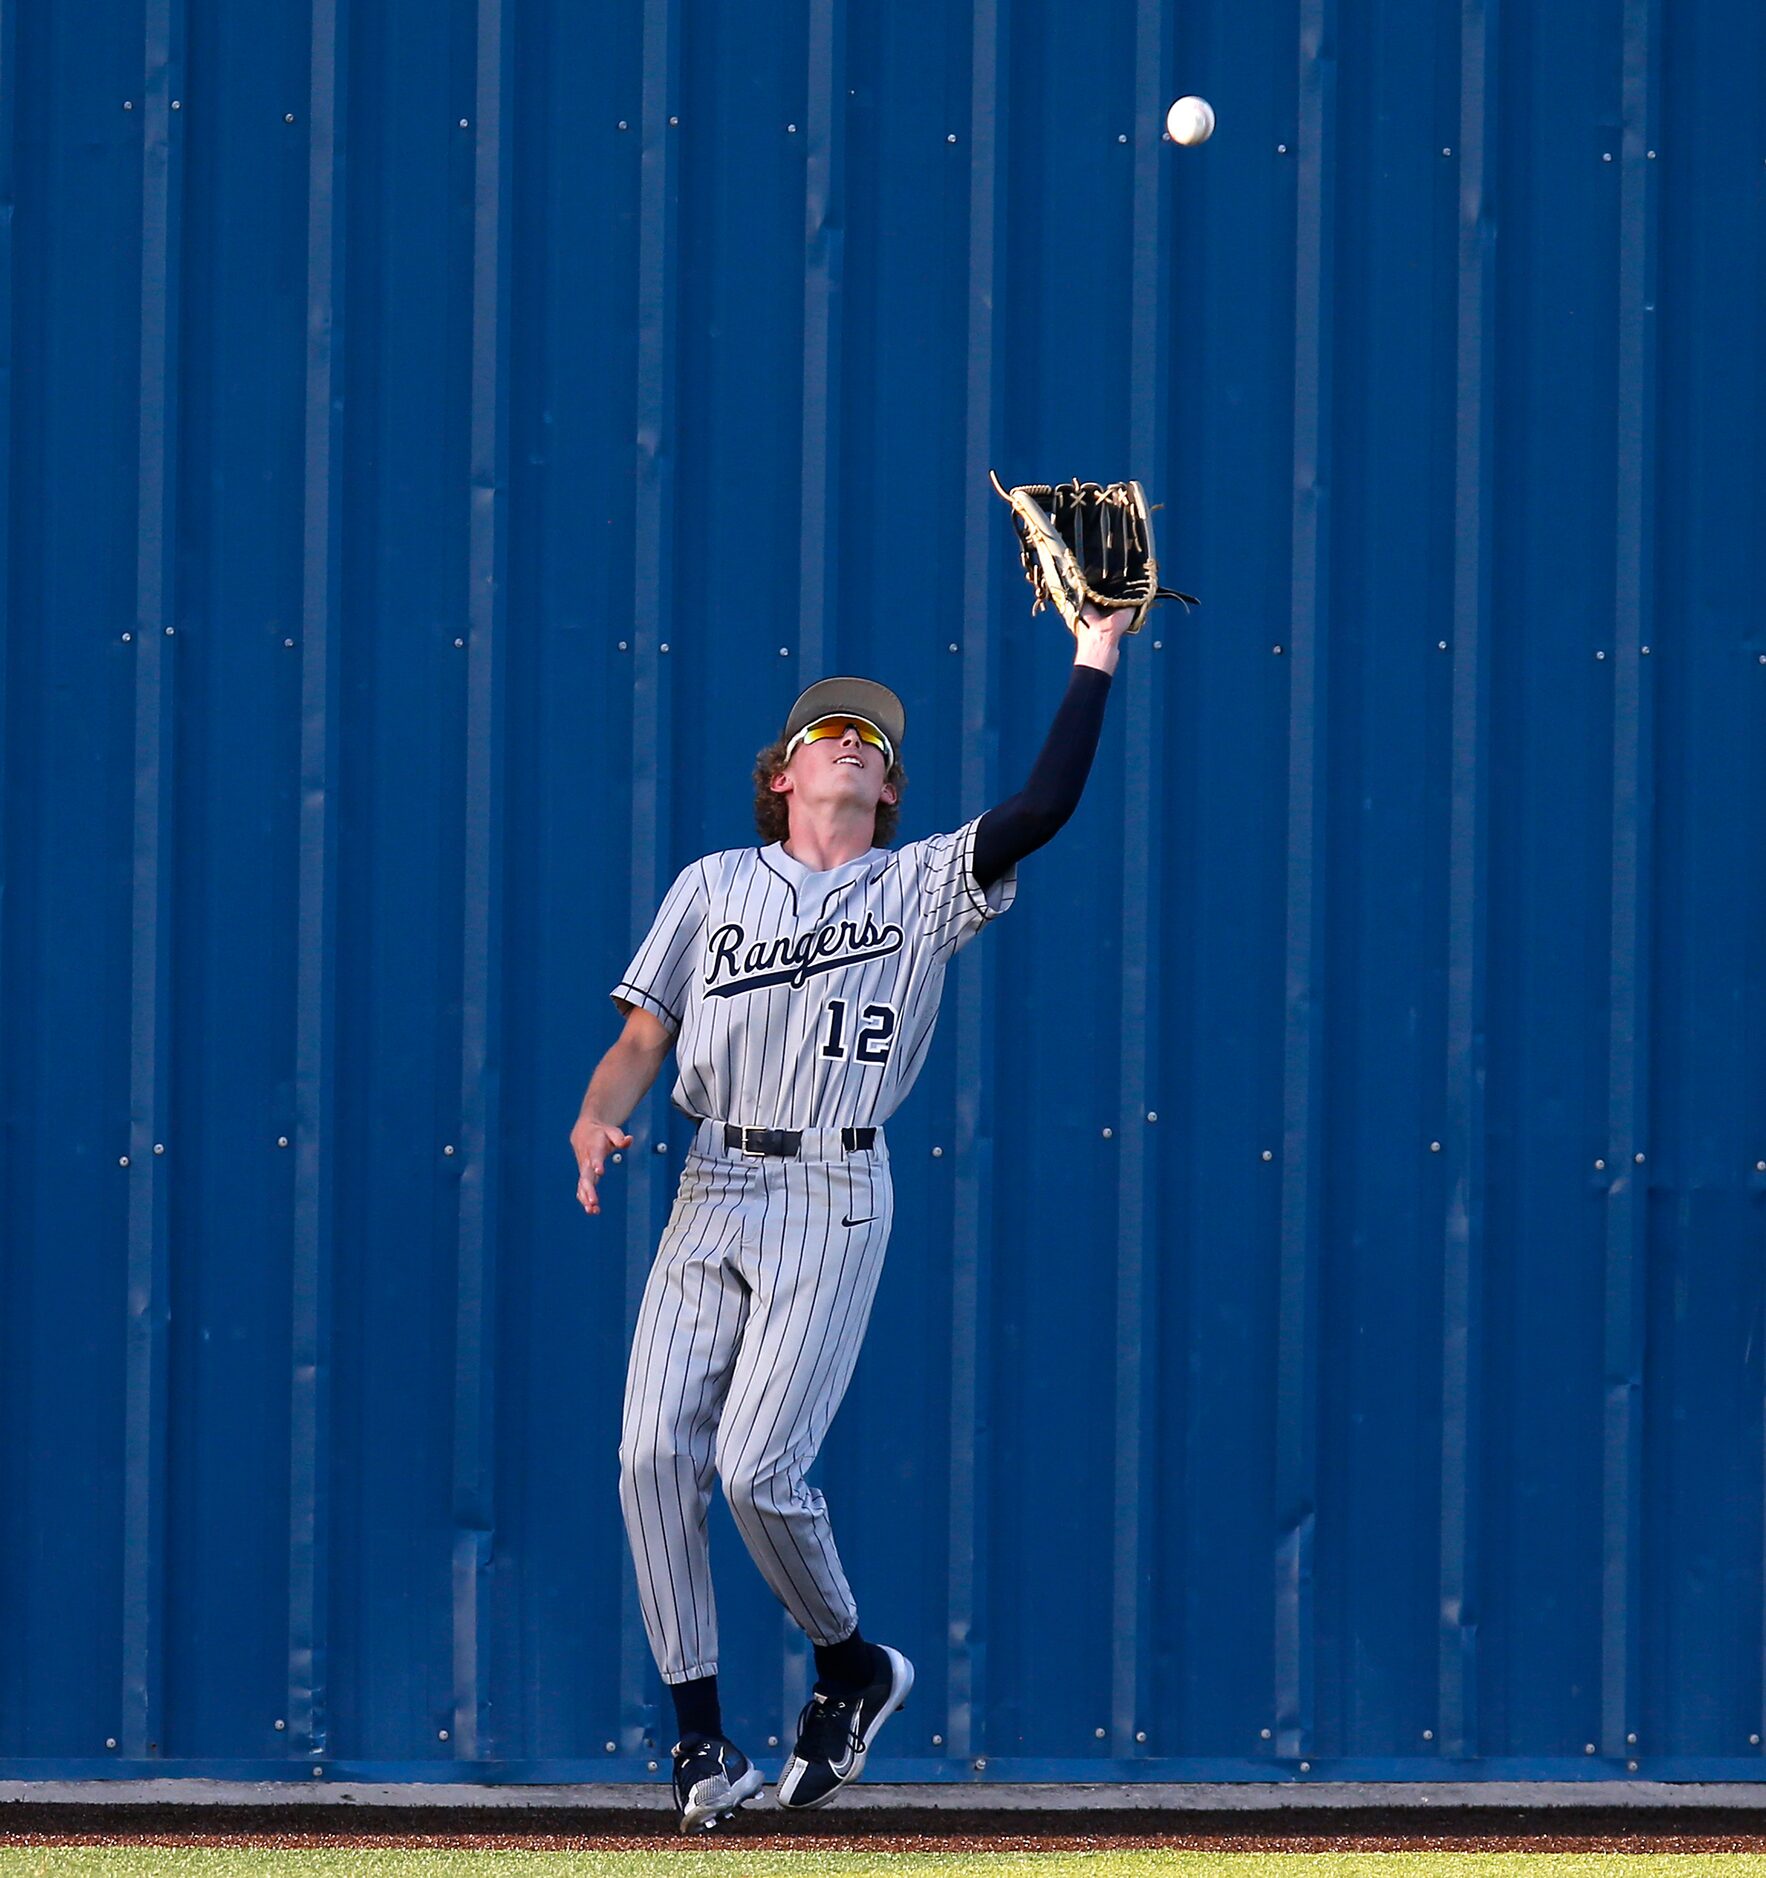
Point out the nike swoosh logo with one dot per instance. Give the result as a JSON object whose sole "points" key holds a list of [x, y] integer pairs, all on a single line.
{"points": [[859, 1222]]}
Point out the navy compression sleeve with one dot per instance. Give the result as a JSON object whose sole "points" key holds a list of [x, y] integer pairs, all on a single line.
{"points": [[1022, 823]]}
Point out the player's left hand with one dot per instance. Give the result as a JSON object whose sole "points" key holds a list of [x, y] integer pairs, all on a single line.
{"points": [[1099, 635]]}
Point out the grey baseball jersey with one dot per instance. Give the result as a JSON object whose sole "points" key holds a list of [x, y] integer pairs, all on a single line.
{"points": [[806, 1001]]}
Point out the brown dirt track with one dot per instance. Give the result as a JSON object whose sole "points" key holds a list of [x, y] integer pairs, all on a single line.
{"points": [[1488, 1830]]}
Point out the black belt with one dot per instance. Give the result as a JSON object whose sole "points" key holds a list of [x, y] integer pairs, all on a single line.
{"points": [[789, 1140]]}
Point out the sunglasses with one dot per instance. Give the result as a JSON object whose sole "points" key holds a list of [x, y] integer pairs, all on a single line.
{"points": [[836, 727]]}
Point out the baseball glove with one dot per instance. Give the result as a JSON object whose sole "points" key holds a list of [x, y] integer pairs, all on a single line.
{"points": [[1088, 543]]}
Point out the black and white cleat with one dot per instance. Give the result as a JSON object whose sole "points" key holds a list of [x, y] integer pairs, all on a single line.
{"points": [[835, 1732], [712, 1779]]}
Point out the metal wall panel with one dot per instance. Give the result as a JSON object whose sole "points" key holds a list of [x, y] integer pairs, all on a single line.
{"points": [[1323, 1332]]}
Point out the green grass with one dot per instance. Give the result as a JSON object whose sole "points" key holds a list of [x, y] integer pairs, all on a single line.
{"points": [[734, 1860]]}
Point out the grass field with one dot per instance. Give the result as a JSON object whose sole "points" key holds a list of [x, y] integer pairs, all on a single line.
{"points": [[732, 1859]]}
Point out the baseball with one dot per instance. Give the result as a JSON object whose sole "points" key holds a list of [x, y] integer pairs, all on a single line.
{"points": [[1190, 120]]}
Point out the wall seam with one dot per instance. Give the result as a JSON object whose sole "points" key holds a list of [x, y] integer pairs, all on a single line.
{"points": [[145, 1458], [315, 1043]]}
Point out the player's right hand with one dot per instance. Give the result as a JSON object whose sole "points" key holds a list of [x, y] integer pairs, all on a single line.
{"points": [[593, 1142]]}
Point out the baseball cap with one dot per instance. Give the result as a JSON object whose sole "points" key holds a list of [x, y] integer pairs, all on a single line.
{"points": [[850, 697]]}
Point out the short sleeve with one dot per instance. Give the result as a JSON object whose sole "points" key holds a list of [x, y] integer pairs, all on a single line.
{"points": [[659, 977], [954, 908]]}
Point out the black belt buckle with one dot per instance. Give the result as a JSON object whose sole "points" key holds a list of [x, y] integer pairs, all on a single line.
{"points": [[762, 1141]]}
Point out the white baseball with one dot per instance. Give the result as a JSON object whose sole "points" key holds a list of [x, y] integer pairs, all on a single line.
{"points": [[1190, 120]]}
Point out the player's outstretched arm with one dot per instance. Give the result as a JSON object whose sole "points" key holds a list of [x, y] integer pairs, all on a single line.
{"points": [[621, 1080], [1023, 823], [1099, 636]]}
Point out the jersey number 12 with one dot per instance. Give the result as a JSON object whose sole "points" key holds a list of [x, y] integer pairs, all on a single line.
{"points": [[876, 1032]]}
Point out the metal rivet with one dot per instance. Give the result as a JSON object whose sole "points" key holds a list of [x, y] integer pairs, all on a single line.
{"points": [[1440, 645], [1631, 1767], [936, 1152], [1109, 1133], [980, 1767], [1606, 156], [288, 117], [651, 1765], [1447, 149], [441, 1734], [1631, 1741], [1650, 154], [282, 1141], [1646, 651], [1434, 1147], [619, 1157], [1269, 1154], [110, 1741], [661, 1147], [1753, 1741], [1281, 149], [1158, 645], [128, 105], [463, 123], [610, 1747], [448, 1149], [622, 645], [171, 631], [159, 1147], [950, 137], [1600, 1166], [1429, 1733], [177, 104], [128, 636], [663, 647], [1600, 655], [122, 1160], [1276, 650], [1099, 1732], [784, 652], [1140, 1734], [1263, 1734], [938, 1741], [288, 642], [1589, 1749], [318, 1773], [459, 642], [623, 125], [953, 645], [1152, 1115], [1760, 1167], [1306, 1767], [1121, 137], [792, 128], [1763, 658], [1638, 1158], [674, 121], [772, 1741], [280, 1724]]}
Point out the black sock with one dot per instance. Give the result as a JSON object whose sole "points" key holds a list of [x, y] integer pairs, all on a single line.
{"points": [[696, 1706], [846, 1665]]}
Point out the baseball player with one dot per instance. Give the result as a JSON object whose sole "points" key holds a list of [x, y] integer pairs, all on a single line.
{"points": [[798, 984]]}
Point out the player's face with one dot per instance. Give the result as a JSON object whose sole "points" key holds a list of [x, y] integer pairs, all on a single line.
{"points": [[838, 769]]}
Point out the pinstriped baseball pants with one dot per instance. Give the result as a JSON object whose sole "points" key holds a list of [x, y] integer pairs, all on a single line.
{"points": [[747, 1335]]}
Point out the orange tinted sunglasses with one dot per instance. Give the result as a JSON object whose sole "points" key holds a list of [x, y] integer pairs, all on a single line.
{"points": [[836, 727]]}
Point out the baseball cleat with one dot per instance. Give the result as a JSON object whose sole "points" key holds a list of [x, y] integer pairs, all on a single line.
{"points": [[712, 1779], [835, 1732]]}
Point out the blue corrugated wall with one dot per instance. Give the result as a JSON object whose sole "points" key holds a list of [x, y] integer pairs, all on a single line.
{"points": [[1323, 1335]]}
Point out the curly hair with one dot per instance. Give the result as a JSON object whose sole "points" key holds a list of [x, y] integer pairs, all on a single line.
{"points": [[773, 819]]}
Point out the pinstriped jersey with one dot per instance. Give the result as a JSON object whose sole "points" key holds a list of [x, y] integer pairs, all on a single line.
{"points": [[807, 1000]]}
